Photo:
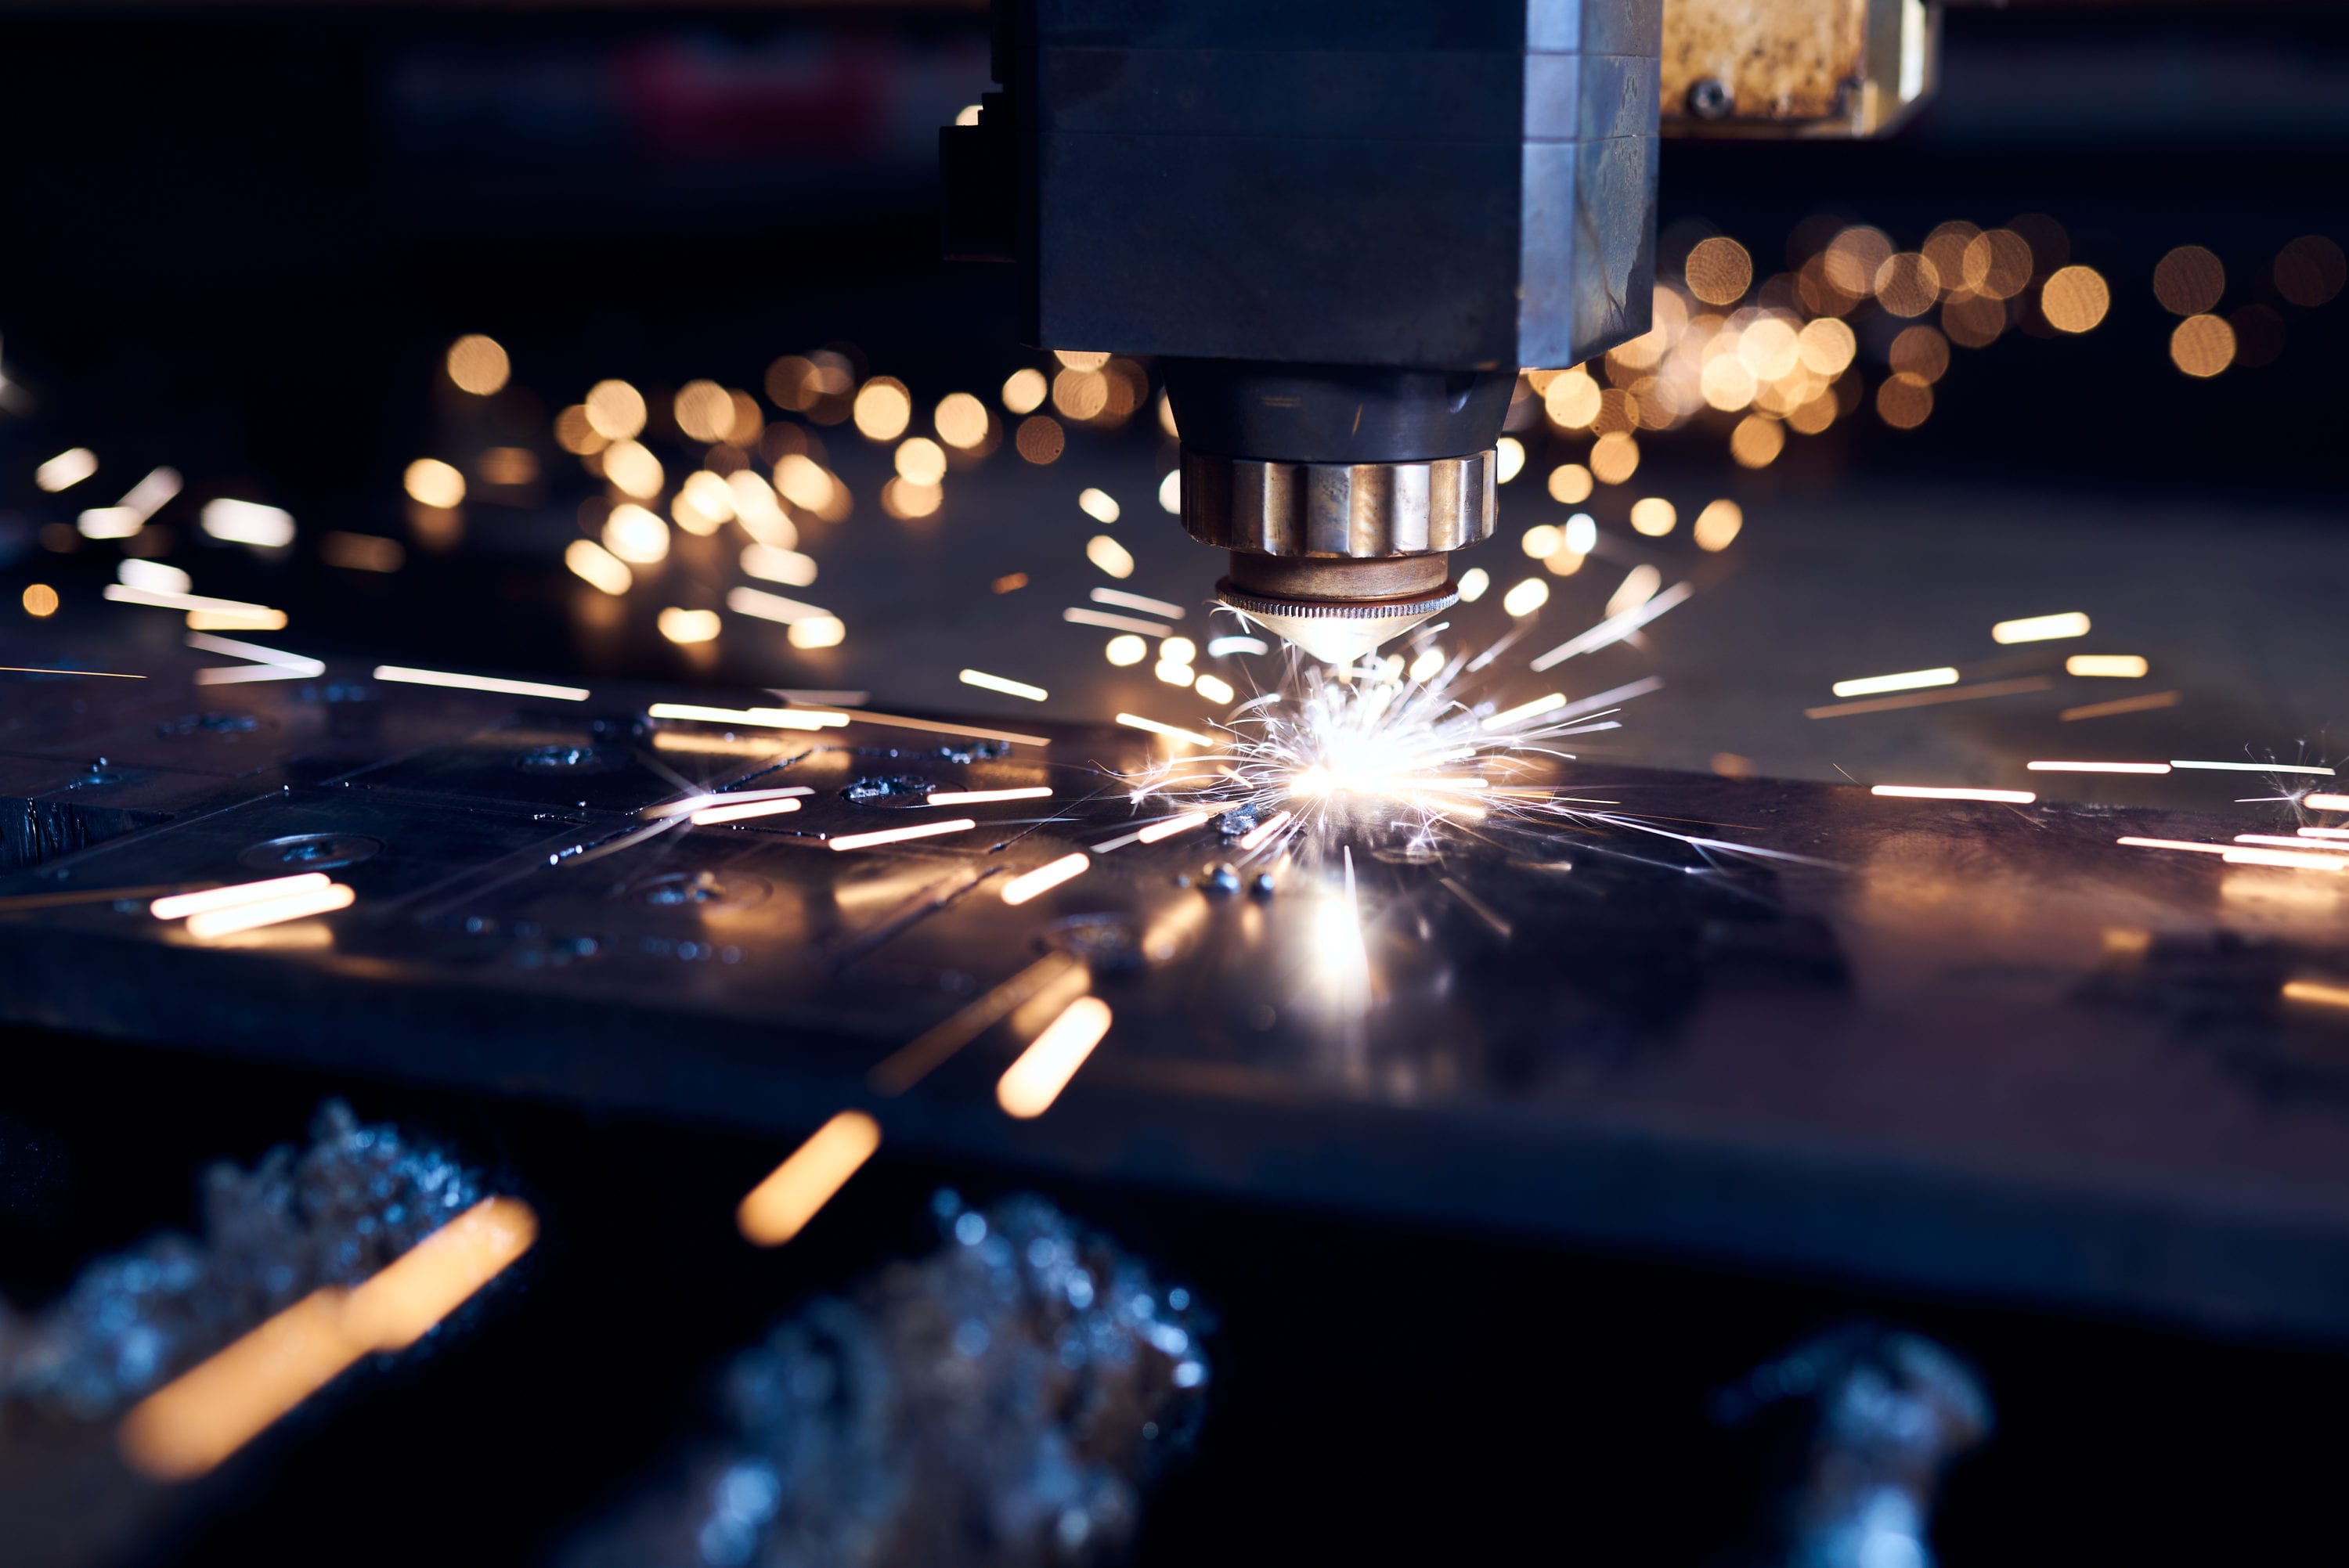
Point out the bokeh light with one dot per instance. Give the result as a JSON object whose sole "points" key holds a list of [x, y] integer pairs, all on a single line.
{"points": [[883, 409], [2075, 299], [2310, 271], [1024, 391], [1614, 459], [616, 410], [1922, 352], [921, 462], [1719, 271], [1717, 524], [1905, 401], [1570, 483], [431, 482], [1756, 441], [1653, 516], [40, 601], [1040, 438], [961, 421], [704, 411], [2202, 346], [2189, 280], [478, 365]]}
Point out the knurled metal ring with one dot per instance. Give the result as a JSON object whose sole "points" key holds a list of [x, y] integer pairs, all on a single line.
{"points": [[1348, 510], [1263, 607]]}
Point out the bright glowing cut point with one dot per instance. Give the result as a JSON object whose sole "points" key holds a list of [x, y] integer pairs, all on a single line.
{"points": [[1044, 878], [2253, 767], [1128, 649], [2041, 628], [1472, 584], [2099, 767], [1008, 688], [988, 796], [1110, 555], [1143, 602], [899, 835], [2124, 666], [1926, 792], [780, 1207], [247, 522], [713, 816], [1135, 721], [406, 676], [180, 905], [1097, 504], [1032, 1082], [270, 912], [67, 469], [1907, 680]]}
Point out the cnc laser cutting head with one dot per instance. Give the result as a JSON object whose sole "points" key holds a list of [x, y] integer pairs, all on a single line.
{"points": [[1343, 226]]}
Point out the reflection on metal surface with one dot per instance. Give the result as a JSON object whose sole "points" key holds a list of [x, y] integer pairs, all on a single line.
{"points": [[900, 835], [780, 1207], [1930, 792], [2038, 629], [273, 911], [1908, 681], [193, 1423], [1023, 888], [180, 905]]}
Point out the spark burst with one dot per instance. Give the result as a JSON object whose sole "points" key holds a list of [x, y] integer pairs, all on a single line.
{"points": [[1330, 748]]}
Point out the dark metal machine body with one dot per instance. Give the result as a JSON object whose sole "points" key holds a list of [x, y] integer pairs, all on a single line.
{"points": [[1344, 227]]}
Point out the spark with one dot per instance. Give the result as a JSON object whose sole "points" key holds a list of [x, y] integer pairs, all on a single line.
{"points": [[766, 606], [1930, 698], [1168, 828], [1524, 711], [1265, 828], [273, 910], [1110, 555], [1930, 792], [988, 796], [123, 594], [2145, 704], [1172, 732], [180, 905], [2253, 768], [1044, 878], [718, 798], [269, 663], [756, 717], [910, 1063], [2296, 841], [2098, 767], [1033, 1081], [1614, 629], [479, 683], [2293, 860], [2321, 802], [49, 670], [2120, 666], [781, 1206], [67, 469], [247, 522], [1008, 688], [1142, 601], [710, 816], [2187, 844], [931, 726], [2317, 992], [1907, 680], [1082, 617], [2324, 833], [2041, 628], [899, 835]]}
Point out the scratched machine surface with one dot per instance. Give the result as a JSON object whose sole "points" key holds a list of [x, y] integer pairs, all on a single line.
{"points": [[1954, 1044]]}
